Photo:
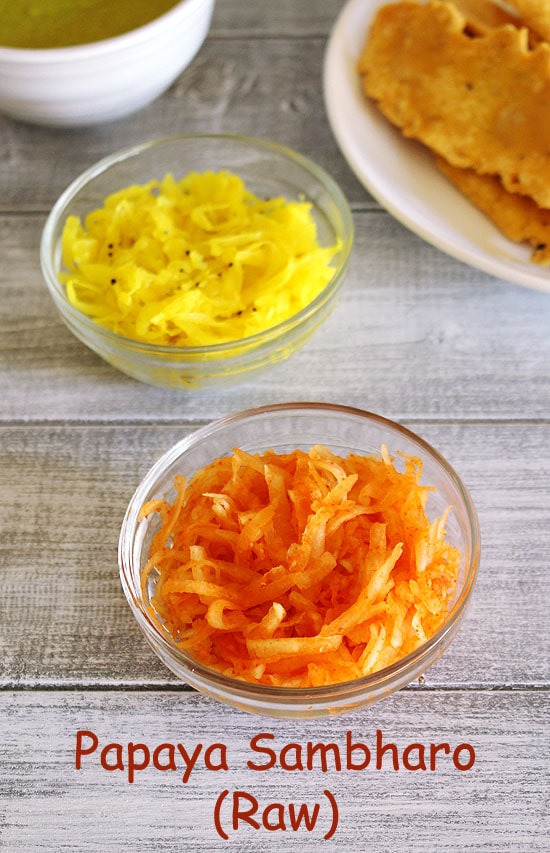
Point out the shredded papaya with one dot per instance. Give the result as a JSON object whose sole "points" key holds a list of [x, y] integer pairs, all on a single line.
{"points": [[300, 569], [193, 262]]}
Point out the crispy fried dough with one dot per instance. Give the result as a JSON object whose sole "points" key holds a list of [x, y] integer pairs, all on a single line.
{"points": [[517, 216], [483, 15], [481, 103], [536, 14]]}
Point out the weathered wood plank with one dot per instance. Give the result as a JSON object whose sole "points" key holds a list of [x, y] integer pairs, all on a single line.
{"points": [[266, 88], [415, 335], [288, 18], [458, 356], [63, 494], [498, 805]]}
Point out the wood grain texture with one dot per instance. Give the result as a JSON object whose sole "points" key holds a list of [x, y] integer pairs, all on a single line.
{"points": [[270, 88], [415, 335], [499, 805], [458, 356], [263, 17], [64, 494]]}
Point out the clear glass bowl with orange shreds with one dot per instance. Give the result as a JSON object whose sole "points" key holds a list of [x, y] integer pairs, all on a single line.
{"points": [[300, 560]]}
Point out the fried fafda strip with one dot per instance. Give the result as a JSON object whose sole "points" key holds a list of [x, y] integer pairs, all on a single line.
{"points": [[536, 14], [483, 15], [481, 103], [516, 216]]}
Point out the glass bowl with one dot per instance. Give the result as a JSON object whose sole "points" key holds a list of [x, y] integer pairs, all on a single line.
{"points": [[283, 428], [268, 170]]}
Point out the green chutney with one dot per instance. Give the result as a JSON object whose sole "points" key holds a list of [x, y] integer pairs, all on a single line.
{"points": [[64, 23]]}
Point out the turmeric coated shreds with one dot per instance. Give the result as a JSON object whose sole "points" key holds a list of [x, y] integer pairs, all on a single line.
{"points": [[194, 262], [301, 569]]}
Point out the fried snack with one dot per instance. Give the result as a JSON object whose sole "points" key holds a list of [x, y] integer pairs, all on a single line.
{"points": [[481, 103], [536, 14], [483, 15], [516, 216]]}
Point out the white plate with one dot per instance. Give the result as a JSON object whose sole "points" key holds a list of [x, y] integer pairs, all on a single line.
{"points": [[400, 173]]}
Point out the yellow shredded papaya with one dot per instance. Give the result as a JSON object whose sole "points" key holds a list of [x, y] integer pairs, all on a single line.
{"points": [[300, 569], [193, 262]]}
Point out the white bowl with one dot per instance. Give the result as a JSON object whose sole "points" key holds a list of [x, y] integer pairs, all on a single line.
{"points": [[104, 80]]}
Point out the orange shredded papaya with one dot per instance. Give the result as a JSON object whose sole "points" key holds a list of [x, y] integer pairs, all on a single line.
{"points": [[301, 569]]}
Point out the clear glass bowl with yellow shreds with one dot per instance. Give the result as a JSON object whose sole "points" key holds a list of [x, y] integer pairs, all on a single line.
{"points": [[270, 219]]}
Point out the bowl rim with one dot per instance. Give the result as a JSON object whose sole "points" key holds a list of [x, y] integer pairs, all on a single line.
{"points": [[47, 247], [92, 49], [401, 670]]}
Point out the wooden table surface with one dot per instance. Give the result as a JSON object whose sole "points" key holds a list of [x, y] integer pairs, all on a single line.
{"points": [[458, 356]]}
